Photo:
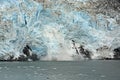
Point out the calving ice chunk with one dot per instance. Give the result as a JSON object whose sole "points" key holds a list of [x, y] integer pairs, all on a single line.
{"points": [[56, 30]]}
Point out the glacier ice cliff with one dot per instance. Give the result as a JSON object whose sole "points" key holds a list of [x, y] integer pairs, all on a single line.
{"points": [[56, 29]]}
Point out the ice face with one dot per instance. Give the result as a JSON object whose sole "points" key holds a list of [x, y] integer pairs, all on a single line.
{"points": [[18, 20], [49, 28]]}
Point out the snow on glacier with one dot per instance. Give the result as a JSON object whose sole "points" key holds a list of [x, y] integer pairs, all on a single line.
{"points": [[49, 31]]}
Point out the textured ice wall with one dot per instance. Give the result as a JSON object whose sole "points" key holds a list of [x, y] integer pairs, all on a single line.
{"points": [[49, 26], [20, 26]]}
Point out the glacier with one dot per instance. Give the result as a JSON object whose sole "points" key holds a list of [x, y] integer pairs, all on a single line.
{"points": [[55, 29]]}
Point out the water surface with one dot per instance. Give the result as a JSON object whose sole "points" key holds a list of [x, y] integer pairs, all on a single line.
{"points": [[82, 70]]}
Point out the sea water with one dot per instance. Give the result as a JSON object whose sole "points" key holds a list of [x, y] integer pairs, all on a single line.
{"points": [[46, 70]]}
